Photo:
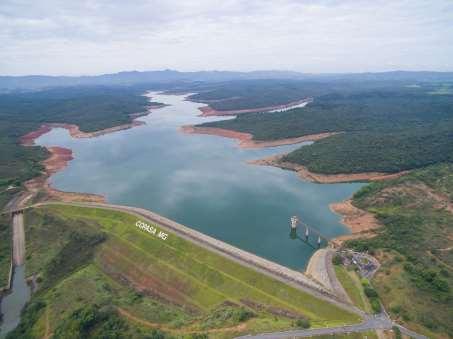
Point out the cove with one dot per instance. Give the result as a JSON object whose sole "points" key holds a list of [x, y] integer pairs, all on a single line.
{"points": [[201, 181]]}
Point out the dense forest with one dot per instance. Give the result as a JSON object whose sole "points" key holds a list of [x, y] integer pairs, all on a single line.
{"points": [[92, 108], [245, 94], [384, 130]]}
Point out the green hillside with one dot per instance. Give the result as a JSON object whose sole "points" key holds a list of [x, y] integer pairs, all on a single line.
{"points": [[98, 259], [415, 281], [386, 130]]}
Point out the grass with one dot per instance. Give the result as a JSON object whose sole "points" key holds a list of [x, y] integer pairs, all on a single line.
{"points": [[351, 283], [5, 249], [172, 285], [416, 277], [213, 277]]}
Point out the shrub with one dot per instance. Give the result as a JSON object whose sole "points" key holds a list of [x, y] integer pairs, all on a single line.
{"points": [[155, 334], [303, 323], [370, 292], [375, 305], [337, 260]]}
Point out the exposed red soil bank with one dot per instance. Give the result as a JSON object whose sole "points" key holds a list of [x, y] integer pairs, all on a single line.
{"points": [[29, 139], [357, 219], [305, 174], [58, 160], [207, 111], [361, 223], [246, 139]]}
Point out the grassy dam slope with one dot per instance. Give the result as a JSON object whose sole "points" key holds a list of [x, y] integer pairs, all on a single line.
{"points": [[97, 264]]}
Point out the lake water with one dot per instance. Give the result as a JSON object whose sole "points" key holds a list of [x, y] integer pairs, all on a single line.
{"points": [[201, 181]]}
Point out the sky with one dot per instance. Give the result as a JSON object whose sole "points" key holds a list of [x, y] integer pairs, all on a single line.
{"points": [[314, 36]]}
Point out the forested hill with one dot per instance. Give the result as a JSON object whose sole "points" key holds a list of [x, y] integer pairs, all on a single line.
{"points": [[92, 108], [385, 130]]}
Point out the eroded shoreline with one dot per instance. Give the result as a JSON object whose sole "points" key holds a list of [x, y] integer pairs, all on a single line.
{"points": [[361, 223], [60, 156], [74, 130], [305, 174], [356, 220], [245, 140]]}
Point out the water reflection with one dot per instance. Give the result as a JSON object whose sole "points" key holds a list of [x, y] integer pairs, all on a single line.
{"points": [[201, 181]]}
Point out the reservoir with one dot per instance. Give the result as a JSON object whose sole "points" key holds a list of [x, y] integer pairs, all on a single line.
{"points": [[202, 181]]}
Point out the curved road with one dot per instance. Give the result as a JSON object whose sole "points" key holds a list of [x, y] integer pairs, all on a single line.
{"points": [[378, 322]]}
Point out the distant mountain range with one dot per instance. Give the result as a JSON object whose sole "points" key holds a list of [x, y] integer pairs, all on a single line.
{"points": [[30, 82]]}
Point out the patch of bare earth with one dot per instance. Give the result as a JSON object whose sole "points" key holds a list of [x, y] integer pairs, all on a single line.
{"points": [[143, 322], [116, 263], [305, 174], [277, 311], [246, 139], [59, 158], [361, 223]]}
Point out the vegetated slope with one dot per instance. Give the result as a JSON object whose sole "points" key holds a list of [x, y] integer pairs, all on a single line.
{"points": [[415, 246], [5, 249], [96, 265], [383, 130], [246, 94], [92, 108], [236, 95]]}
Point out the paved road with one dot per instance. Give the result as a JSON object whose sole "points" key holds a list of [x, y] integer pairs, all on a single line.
{"points": [[321, 269], [371, 323], [334, 282], [18, 239]]}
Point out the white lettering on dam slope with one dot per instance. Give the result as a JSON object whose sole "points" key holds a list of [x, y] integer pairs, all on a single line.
{"points": [[151, 230]]}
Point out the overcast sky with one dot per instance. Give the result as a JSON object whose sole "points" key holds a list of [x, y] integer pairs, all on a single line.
{"points": [[92, 37]]}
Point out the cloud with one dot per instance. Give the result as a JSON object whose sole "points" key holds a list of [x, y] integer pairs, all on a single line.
{"points": [[84, 37]]}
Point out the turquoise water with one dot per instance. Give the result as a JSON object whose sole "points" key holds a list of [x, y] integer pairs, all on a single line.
{"points": [[201, 181]]}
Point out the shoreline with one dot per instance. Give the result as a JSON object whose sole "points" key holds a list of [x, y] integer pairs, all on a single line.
{"points": [[60, 156], [320, 178], [208, 111], [245, 140], [58, 160], [361, 223], [74, 130]]}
